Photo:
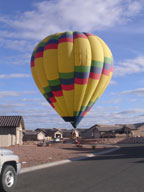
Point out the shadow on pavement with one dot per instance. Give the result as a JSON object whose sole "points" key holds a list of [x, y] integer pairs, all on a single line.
{"points": [[130, 152]]}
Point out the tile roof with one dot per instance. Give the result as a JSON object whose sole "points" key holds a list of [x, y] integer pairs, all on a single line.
{"points": [[11, 121]]}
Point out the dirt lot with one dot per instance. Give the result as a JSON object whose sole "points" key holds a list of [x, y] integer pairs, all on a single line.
{"points": [[34, 155]]}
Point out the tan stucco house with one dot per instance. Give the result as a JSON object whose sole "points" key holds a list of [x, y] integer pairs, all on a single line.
{"points": [[31, 135], [53, 133], [11, 130]]}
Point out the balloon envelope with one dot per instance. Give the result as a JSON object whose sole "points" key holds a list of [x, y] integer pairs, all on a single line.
{"points": [[72, 70]]}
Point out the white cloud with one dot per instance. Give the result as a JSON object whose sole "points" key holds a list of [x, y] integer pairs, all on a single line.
{"points": [[31, 100], [113, 82], [14, 75], [129, 66], [19, 59], [15, 93], [16, 44], [139, 92], [52, 16]]}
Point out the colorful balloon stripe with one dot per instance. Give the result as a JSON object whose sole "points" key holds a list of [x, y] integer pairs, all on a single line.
{"points": [[81, 81], [95, 75], [63, 40], [67, 81], [82, 75], [51, 46], [38, 54], [67, 87]]}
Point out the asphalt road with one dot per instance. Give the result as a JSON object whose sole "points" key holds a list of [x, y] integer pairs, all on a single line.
{"points": [[120, 171]]}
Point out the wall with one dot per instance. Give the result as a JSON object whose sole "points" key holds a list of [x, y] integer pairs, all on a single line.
{"points": [[7, 140], [40, 136], [7, 136], [19, 135]]}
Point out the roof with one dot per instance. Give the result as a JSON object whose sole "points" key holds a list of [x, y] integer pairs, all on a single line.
{"points": [[30, 132], [133, 126], [11, 121], [48, 132], [108, 127]]}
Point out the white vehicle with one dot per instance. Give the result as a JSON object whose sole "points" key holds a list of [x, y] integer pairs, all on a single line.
{"points": [[9, 168]]}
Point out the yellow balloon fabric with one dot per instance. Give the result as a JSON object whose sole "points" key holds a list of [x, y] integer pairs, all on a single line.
{"points": [[72, 70]]}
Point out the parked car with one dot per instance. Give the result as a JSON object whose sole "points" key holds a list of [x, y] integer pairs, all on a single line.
{"points": [[9, 168], [57, 140]]}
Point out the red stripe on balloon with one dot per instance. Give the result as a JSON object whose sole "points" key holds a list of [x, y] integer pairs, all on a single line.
{"points": [[67, 87], [89, 34], [38, 54], [66, 40], [95, 75], [57, 93], [50, 46], [81, 81], [84, 113], [80, 36], [52, 99], [105, 72], [52, 105], [32, 63]]}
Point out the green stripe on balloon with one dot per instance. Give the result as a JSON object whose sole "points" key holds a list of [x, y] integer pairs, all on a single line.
{"points": [[97, 63], [76, 113], [47, 89], [54, 37], [83, 108], [33, 54], [82, 68], [66, 75], [108, 60], [45, 95], [54, 82]]}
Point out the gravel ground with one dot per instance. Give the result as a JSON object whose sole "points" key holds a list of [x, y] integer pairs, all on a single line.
{"points": [[34, 155]]}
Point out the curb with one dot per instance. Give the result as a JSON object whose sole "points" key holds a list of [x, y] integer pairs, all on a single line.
{"points": [[52, 164]]}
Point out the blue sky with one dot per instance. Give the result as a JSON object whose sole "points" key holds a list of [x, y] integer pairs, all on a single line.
{"points": [[120, 23]]}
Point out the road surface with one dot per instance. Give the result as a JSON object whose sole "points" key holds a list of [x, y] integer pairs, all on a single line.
{"points": [[120, 171]]}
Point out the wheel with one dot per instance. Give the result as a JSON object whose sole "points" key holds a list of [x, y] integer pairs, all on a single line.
{"points": [[8, 178]]}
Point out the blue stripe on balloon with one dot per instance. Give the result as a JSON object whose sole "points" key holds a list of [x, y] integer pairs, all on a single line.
{"points": [[67, 81], [82, 75], [96, 69], [52, 41], [107, 66], [39, 49], [66, 35]]}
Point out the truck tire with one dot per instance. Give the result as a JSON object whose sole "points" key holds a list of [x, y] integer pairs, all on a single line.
{"points": [[8, 178]]}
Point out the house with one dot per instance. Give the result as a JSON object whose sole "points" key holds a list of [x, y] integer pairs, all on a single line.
{"points": [[67, 133], [11, 130], [53, 133], [31, 135], [135, 130], [92, 132]]}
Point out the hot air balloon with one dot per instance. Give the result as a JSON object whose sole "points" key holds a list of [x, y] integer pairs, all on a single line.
{"points": [[72, 70]]}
